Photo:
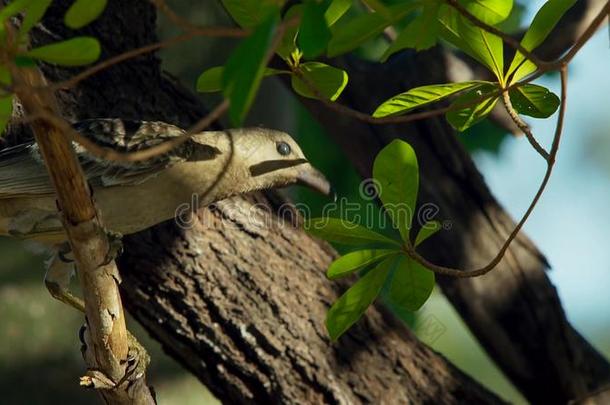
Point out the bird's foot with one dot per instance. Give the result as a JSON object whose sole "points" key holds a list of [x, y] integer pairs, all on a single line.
{"points": [[57, 279], [135, 364]]}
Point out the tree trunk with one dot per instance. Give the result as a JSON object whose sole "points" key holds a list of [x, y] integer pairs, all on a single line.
{"points": [[242, 305]]}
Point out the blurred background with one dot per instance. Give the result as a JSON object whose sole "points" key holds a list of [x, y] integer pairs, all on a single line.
{"points": [[39, 355]]}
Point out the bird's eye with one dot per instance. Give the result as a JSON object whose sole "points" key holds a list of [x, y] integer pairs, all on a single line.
{"points": [[283, 148]]}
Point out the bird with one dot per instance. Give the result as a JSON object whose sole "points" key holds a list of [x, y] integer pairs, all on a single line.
{"points": [[135, 195]]}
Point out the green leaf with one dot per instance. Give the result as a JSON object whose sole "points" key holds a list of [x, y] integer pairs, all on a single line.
{"points": [[419, 34], [211, 80], [545, 20], [335, 10], [345, 232], [463, 118], [429, 229], [24, 61], [82, 12], [245, 68], [11, 9], [351, 305], [351, 262], [489, 11], [72, 52], [6, 110], [288, 42], [350, 35], [421, 96], [476, 42], [410, 285], [486, 47], [33, 14], [313, 33], [251, 13], [397, 171], [533, 100], [5, 76], [329, 81]]}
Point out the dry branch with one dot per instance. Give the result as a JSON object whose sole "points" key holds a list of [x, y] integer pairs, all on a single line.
{"points": [[108, 354]]}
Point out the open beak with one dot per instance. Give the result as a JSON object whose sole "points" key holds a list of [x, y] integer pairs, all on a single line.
{"points": [[311, 177]]}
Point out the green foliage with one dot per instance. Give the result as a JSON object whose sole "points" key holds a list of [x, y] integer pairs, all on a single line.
{"points": [[396, 170], [251, 13], [327, 80], [421, 96], [287, 45], [33, 13], [83, 12], [245, 68], [409, 284], [483, 46], [211, 80], [419, 34], [352, 304], [533, 100], [349, 35], [542, 25], [13, 8], [489, 11], [346, 232], [427, 230], [358, 260], [335, 10], [71, 52], [314, 33], [467, 111]]}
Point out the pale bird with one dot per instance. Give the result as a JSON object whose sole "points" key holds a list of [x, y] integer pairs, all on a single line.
{"points": [[133, 196]]}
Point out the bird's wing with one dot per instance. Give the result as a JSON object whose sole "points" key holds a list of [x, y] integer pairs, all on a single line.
{"points": [[22, 171]]}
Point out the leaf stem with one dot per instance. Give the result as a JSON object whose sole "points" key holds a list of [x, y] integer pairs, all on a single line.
{"points": [[523, 125]]}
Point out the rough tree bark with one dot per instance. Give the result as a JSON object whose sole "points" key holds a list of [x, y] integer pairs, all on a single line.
{"points": [[242, 305]]}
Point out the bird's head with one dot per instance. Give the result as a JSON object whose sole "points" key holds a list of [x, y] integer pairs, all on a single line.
{"points": [[262, 158]]}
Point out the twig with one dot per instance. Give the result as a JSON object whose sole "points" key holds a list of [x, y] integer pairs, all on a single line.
{"points": [[410, 250], [111, 154], [522, 125], [73, 81], [186, 25], [586, 35]]}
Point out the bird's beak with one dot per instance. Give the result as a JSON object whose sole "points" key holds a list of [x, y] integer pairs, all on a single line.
{"points": [[311, 177]]}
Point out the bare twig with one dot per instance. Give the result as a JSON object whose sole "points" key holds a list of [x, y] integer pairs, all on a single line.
{"points": [[111, 154], [186, 25], [73, 81], [586, 35], [522, 125]]}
